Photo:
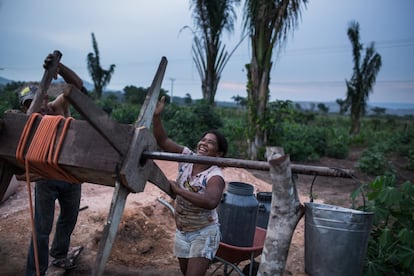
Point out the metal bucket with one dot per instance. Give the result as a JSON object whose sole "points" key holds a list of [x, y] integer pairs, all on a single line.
{"points": [[237, 214], [336, 239]]}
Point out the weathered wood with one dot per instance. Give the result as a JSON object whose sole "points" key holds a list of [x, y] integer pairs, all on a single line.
{"points": [[286, 211], [158, 178], [111, 226], [44, 84], [247, 164], [85, 153], [148, 108], [116, 135], [135, 171]]}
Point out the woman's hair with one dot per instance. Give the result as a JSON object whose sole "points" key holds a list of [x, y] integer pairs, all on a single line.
{"points": [[221, 140]]}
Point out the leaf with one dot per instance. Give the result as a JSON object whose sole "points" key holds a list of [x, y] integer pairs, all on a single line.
{"points": [[390, 196], [386, 238], [406, 236], [406, 256], [408, 189]]}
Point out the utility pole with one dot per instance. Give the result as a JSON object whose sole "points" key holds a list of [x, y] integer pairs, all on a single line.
{"points": [[172, 88]]}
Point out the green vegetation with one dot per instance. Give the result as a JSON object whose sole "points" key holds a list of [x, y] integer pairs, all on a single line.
{"points": [[304, 135], [391, 243], [9, 98]]}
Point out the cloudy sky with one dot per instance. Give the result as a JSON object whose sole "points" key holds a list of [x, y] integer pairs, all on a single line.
{"points": [[135, 34]]}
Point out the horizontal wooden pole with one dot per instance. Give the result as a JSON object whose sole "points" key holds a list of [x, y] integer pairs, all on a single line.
{"points": [[246, 164]]}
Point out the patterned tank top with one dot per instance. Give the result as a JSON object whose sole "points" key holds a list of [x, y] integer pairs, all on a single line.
{"points": [[187, 216]]}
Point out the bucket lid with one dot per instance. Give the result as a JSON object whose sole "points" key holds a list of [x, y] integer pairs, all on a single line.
{"points": [[239, 188], [264, 196]]}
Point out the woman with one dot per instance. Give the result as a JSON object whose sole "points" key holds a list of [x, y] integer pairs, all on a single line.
{"points": [[198, 191]]}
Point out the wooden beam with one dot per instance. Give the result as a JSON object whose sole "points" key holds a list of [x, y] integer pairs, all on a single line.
{"points": [[110, 130], [134, 172], [85, 153], [44, 84]]}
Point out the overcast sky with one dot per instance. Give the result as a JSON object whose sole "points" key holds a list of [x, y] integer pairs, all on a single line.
{"points": [[135, 34]]}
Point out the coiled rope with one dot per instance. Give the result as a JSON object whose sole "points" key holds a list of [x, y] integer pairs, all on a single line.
{"points": [[42, 157]]}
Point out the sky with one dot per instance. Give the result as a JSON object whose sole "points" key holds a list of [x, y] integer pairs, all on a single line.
{"points": [[135, 34]]}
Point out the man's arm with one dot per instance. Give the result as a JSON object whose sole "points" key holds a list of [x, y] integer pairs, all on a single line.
{"points": [[67, 74], [70, 76]]}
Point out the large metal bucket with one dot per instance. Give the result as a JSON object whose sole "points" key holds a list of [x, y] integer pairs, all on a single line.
{"points": [[336, 239]]}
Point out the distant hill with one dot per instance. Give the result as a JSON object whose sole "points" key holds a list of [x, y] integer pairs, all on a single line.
{"points": [[4, 81], [399, 109], [88, 85]]}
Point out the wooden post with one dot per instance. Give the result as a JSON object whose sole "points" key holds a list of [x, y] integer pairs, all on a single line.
{"points": [[44, 84], [286, 211]]}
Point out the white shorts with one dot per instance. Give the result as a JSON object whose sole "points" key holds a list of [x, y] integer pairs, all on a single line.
{"points": [[200, 243]]}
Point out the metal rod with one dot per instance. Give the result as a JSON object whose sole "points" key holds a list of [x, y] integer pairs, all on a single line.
{"points": [[246, 164]]}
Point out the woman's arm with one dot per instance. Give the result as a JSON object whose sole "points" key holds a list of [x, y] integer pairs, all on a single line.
{"points": [[159, 132], [209, 199]]}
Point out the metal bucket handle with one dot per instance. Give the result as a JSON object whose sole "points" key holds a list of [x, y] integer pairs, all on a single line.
{"points": [[351, 176]]}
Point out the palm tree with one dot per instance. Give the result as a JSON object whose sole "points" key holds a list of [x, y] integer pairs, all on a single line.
{"points": [[209, 53], [342, 106], [268, 23], [363, 77], [100, 77]]}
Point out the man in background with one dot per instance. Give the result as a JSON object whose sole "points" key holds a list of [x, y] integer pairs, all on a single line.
{"points": [[47, 191]]}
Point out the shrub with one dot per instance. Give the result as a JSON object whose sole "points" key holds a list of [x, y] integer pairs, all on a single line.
{"points": [[234, 129], [391, 243], [337, 148], [301, 142], [373, 162], [126, 113], [186, 124]]}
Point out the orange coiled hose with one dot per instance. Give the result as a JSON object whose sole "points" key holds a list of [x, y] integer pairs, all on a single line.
{"points": [[43, 152]]}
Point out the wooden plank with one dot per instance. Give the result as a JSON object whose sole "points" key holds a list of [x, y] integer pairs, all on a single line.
{"points": [[85, 153], [44, 84], [148, 108], [110, 130], [111, 226], [134, 172], [158, 178]]}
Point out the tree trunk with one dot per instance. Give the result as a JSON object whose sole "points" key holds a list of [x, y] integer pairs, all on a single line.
{"points": [[258, 98], [286, 211]]}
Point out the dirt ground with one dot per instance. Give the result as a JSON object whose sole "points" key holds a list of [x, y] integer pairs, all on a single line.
{"points": [[144, 242]]}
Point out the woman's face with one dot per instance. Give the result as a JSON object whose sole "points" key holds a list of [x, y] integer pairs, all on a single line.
{"points": [[208, 146]]}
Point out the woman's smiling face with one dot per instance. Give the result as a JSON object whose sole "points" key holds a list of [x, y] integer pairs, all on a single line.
{"points": [[208, 145]]}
